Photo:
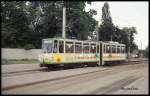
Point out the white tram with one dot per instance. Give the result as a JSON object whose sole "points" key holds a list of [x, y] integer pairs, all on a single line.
{"points": [[67, 52]]}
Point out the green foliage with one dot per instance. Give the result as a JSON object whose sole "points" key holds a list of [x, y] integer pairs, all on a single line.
{"points": [[4, 61], [146, 51], [79, 23], [106, 18], [129, 39], [27, 22], [15, 30], [29, 46], [108, 31]]}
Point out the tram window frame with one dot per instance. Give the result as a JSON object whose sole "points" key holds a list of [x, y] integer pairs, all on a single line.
{"points": [[79, 48], [71, 49], [108, 51], [92, 48], [120, 49], [124, 49], [86, 45]]}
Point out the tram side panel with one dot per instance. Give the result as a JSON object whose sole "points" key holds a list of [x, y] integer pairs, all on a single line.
{"points": [[50, 59], [57, 58], [110, 54], [62, 54], [101, 54]]}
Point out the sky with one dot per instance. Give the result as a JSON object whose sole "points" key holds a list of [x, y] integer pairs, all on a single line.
{"points": [[127, 14]]}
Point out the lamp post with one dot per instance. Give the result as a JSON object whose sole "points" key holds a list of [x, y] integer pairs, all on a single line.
{"points": [[64, 22], [97, 32], [141, 51]]}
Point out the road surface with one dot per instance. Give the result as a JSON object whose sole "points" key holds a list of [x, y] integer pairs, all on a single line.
{"points": [[126, 79]]}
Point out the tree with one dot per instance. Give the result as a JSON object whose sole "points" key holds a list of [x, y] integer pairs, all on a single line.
{"points": [[15, 29], [146, 51], [28, 22], [106, 29], [106, 18], [80, 24], [129, 38]]}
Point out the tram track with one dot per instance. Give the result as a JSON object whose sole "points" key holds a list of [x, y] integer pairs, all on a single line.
{"points": [[23, 72], [119, 84], [61, 78], [128, 63], [17, 73], [48, 80]]}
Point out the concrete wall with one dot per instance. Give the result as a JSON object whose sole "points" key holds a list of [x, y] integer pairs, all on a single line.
{"points": [[15, 53]]}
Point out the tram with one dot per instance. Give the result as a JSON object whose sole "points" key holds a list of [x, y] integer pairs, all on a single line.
{"points": [[67, 52]]}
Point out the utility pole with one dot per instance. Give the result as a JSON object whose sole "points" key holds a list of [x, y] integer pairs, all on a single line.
{"points": [[129, 47], [64, 22], [141, 50], [97, 32]]}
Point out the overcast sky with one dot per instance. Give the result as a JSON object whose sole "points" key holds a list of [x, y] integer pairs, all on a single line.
{"points": [[127, 14]]}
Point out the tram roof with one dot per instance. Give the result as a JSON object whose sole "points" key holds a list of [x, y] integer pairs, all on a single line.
{"points": [[113, 43], [74, 40], [71, 40]]}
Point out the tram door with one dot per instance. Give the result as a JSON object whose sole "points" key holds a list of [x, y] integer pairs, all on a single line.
{"points": [[98, 52], [101, 53], [61, 46]]}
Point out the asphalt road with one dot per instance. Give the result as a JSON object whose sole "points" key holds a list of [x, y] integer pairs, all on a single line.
{"points": [[127, 79]]}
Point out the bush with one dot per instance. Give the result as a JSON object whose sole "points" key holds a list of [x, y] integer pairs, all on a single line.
{"points": [[29, 46], [4, 61]]}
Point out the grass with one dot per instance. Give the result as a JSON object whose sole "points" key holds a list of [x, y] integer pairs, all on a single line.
{"points": [[22, 61]]}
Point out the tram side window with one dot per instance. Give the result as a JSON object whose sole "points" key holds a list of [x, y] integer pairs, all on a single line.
{"points": [[61, 46], [123, 49], [78, 48], [118, 49], [69, 47], [113, 49], [55, 47], [93, 48], [107, 48], [86, 48], [47, 47]]}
